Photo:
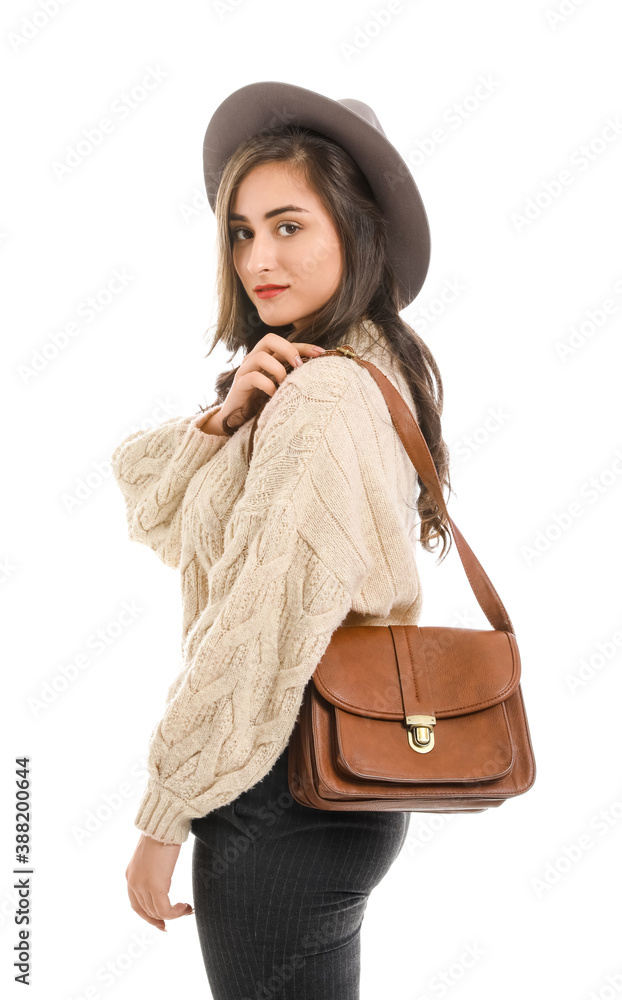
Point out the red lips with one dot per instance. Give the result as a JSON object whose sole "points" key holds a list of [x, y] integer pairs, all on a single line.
{"points": [[269, 291]]}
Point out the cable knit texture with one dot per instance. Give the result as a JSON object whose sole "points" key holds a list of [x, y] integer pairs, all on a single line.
{"points": [[272, 558]]}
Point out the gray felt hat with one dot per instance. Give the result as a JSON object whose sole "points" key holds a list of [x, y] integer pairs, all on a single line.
{"points": [[354, 126]]}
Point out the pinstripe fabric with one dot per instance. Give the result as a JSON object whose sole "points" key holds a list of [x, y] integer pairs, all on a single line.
{"points": [[280, 892]]}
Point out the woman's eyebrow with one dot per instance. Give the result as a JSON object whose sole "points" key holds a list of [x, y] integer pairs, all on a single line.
{"points": [[234, 217]]}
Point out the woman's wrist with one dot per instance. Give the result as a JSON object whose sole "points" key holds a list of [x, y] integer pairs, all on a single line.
{"points": [[211, 423]]}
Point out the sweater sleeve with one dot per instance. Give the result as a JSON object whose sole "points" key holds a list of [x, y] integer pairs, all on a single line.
{"points": [[153, 468], [294, 555]]}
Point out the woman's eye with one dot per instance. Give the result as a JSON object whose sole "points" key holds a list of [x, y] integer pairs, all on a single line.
{"points": [[235, 233], [292, 225]]}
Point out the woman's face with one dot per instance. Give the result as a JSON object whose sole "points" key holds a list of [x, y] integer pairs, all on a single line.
{"points": [[282, 235]]}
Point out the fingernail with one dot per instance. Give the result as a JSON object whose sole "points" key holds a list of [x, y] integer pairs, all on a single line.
{"points": [[298, 361], [318, 348]]}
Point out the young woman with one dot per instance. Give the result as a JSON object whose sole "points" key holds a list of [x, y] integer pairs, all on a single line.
{"points": [[322, 239]]}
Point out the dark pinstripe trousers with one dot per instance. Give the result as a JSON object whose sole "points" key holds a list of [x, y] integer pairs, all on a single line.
{"points": [[280, 890]]}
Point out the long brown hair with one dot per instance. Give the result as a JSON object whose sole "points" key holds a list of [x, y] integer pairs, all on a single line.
{"points": [[368, 289]]}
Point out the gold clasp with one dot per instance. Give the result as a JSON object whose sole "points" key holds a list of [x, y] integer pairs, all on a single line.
{"points": [[347, 351], [420, 732]]}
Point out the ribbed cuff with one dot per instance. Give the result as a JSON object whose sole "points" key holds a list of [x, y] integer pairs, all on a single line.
{"points": [[161, 815]]}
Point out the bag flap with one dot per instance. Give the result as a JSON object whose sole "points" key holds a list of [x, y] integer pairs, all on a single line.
{"points": [[475, 747], [468, 670]]}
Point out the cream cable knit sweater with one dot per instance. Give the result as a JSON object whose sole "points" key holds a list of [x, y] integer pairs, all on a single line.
{"points": [[271, 561]]}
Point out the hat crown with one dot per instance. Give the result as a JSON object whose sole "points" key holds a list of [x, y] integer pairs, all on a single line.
{"points": [[363, 111]]}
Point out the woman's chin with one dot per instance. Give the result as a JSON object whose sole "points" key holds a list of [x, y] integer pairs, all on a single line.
{"points": [[276, 316]]}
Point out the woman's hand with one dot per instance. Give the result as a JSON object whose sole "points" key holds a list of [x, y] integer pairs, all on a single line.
{"points": [[149, 875], [266, 356]]}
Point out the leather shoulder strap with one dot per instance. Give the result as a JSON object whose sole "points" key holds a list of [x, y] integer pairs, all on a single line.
{"points": [[418, 452]]}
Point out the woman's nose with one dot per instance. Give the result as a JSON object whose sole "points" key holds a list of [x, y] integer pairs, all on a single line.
{"points": [[261, 255]]}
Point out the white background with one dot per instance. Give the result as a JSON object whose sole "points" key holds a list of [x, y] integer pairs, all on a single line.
{"points": [[531, 886]]}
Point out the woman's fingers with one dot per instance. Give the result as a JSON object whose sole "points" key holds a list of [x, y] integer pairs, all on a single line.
{"points": [[155, 907], [272, 362], [256, 380], [257, 360], [140, 910], [161, 906], [284, 349]]}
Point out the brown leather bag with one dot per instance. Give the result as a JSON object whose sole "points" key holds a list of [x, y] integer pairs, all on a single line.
{"points": [[410, 718]]}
